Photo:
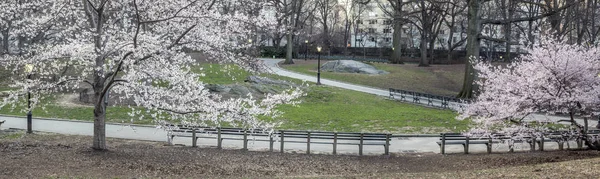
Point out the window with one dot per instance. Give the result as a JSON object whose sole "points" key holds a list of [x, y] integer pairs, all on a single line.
{"points": [[372, 21], [387, 39], [442, 32], [372, 39], [371, 30], [387, 22], [387, 31], [358, 21], [359, 40]]}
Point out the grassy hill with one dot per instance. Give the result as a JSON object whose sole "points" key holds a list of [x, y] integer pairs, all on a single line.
{"points": [[436, 79], [323, 108]]}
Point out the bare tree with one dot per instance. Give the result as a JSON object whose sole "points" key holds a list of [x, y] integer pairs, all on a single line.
{"points": [[474, 36], [399, 16], [455, 20]]}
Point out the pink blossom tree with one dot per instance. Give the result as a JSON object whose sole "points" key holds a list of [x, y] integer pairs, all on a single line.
{"points": [[553, 77], [130, 46]]}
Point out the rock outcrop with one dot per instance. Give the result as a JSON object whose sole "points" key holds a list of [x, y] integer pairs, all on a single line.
{"points": [[351, 66]]}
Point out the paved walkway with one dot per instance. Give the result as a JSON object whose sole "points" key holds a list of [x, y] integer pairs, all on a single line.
{"points": [[149, 133], [153, 134]]}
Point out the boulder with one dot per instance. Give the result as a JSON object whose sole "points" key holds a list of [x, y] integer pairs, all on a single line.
{"points": [[239, 90], [267, 81], [351, 66], [217, 88]]}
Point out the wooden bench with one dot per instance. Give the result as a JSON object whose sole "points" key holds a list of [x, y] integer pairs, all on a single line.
{"points": [[337, 138], [560, 137], [416, 97], [359, 139], [219, 132], [465, 141]]}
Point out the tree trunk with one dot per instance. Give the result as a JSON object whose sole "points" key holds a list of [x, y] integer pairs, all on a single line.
{"points": [[473, 43], [507, 35], [99, 139], [5, 43], [290, 49], [426, 30], [583, 131], [431, 49], [449, 56], [290, 40], [397, 43], [99, 125], [424, 60]]}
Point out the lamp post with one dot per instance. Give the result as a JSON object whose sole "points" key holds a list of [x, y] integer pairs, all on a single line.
{"points": [[28, 70], [319, 65], [305, 49]]}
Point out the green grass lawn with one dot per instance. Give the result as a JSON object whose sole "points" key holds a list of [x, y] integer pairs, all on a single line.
{"points": [[51, 109], [323, 108], [335, 109], [437, 79], [221, 74]]}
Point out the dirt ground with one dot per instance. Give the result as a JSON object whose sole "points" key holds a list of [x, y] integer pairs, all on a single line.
{"points": [[58, 156]]}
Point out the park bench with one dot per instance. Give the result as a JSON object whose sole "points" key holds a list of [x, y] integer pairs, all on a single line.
{"points": [[416, 97], [560, 137], [465, 141], [217, 133], [336, 138], [287, 136]]}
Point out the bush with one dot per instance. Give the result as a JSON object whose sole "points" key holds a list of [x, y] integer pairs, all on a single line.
{"points": [[278, 52]]}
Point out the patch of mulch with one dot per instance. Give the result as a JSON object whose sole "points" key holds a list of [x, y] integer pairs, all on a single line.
{"points": [[51, 155]]}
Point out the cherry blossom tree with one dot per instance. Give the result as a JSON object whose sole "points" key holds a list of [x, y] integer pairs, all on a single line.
{"points": [[22, 23], [137, 48], [553, 77]]}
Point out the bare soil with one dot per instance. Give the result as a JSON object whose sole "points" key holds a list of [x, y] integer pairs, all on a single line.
{"points": [[50, 155]]}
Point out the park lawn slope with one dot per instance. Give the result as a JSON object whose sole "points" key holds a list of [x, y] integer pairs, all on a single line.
{"points": [[334, 109], [437, 79], [52, 108], [323, 108]]}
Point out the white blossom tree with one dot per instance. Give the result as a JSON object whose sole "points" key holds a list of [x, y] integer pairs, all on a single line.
{"points": [[553, 77], [22, 23], [136, 48]]}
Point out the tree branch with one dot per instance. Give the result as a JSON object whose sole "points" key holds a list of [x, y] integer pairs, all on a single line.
{"points": [[533, 18]]}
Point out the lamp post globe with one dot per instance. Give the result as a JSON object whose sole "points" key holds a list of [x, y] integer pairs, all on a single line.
{"points": [[319, 65]]}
